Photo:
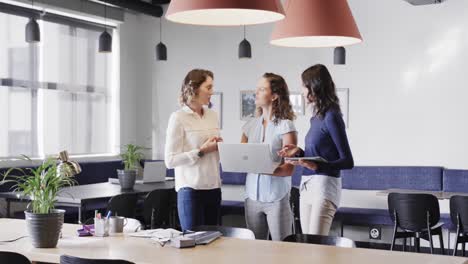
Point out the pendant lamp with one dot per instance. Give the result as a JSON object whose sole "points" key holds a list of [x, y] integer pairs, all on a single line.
{"points": [[225, 12], [316, 23], [32, 32], [339, 56], [245, 50], [161, 50], [105, 39]]}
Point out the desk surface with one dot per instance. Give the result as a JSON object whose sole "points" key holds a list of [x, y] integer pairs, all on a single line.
{"points": [[79, 193], [223, 250]]}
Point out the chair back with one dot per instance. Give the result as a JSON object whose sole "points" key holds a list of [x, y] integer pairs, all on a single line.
{"points": [[237, 232], [13, 258], [321, 240], [65, 259], [412, 210], [123, 205], [157, 208], [459, 208]]}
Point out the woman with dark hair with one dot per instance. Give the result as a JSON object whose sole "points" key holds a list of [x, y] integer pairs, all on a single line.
{"points": [[191, 148], [321, 183], [267, 203]]}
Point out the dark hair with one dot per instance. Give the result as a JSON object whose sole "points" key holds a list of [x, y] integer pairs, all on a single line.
{"points": [[192, 83], [322, 92], [281, 108]]}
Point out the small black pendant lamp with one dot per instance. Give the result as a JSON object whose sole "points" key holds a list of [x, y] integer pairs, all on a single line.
{"points": [[339, 56], [33, 32], [105, 39], [245, 50], [161, 50]]}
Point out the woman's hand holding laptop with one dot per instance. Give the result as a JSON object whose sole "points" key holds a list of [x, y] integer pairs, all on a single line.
{"points": [[290, 151]]}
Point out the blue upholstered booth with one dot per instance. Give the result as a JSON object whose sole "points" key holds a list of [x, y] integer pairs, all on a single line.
{"points": [[392, 177], [455, 180]]}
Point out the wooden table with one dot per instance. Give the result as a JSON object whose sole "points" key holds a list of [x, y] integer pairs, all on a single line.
{"points": [[78, 196], [223, 250]]}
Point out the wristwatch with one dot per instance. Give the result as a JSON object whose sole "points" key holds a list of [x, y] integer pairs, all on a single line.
{"points": [[200, 153]]}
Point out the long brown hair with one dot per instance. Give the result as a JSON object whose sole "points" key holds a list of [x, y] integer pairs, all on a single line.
{"points": [[192, 82], [318, 81], [281, 108]]}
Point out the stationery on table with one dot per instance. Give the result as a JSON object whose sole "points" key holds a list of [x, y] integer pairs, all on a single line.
{"points": [[99, 228]]}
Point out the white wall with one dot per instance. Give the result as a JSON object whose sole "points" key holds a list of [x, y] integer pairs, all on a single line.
{"points": [[136, 77], [406, 80]]}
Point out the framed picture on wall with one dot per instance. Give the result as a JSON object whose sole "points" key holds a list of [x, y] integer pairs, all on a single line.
{"points": [[343, 96], [216, 104], [247, 104], [297, 102]]}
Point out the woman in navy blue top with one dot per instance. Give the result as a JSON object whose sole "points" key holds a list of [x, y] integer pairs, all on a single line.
{"points": [[320, 182]]}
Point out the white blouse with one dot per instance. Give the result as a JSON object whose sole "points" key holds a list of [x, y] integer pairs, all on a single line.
{"points": [[186, 133]]}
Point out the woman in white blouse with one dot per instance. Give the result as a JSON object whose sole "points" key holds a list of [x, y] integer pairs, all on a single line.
{"points": [[191, 149]]}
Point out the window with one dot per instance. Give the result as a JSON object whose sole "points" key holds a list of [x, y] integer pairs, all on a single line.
{"points": [[55, 95]]}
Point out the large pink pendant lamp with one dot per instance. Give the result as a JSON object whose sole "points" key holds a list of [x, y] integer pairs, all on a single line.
{"points": [[316, 23], [225, 12]]}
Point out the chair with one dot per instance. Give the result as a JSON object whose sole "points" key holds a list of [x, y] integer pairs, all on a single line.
{"points": [[459, 217], [123, 205], [321, 240], [294, 202], [416, 215], [158, 208], [65, 259], [13, 258], [237, 232]]}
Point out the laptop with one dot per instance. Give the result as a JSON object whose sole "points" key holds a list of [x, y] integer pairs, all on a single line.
{"points": [[247, 157], [154, 171]]}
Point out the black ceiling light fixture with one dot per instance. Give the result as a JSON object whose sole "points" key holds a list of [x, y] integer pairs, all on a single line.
{"points": [[245, 50], [161, 50], [105, 39], [33, 32], [339, 56]]}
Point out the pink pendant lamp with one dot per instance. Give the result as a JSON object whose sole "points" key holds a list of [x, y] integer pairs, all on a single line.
{"points": [[316, 23], [225, 12]]}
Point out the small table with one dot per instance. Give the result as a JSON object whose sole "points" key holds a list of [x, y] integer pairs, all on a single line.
{"points": [[78, 196]]}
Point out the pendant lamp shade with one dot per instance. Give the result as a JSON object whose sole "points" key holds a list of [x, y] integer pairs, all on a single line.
{"points": [[316, 23], [105, 42], [161, 52], [339, 56], [245, 50], [225, 12], [33, 32]]}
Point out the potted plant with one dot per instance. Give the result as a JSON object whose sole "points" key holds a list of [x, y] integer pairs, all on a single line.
{"points": [[131, 159], [41, 185]]}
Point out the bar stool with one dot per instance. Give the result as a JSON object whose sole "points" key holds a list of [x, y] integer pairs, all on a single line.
{"points": [[459, 217], [416, 215], [65, 259], [13, 258], [123, 205]]}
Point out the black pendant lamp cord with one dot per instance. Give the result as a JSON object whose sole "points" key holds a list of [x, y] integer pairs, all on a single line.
{"points": [[244, 31], [105, 16], [160, 29]]}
